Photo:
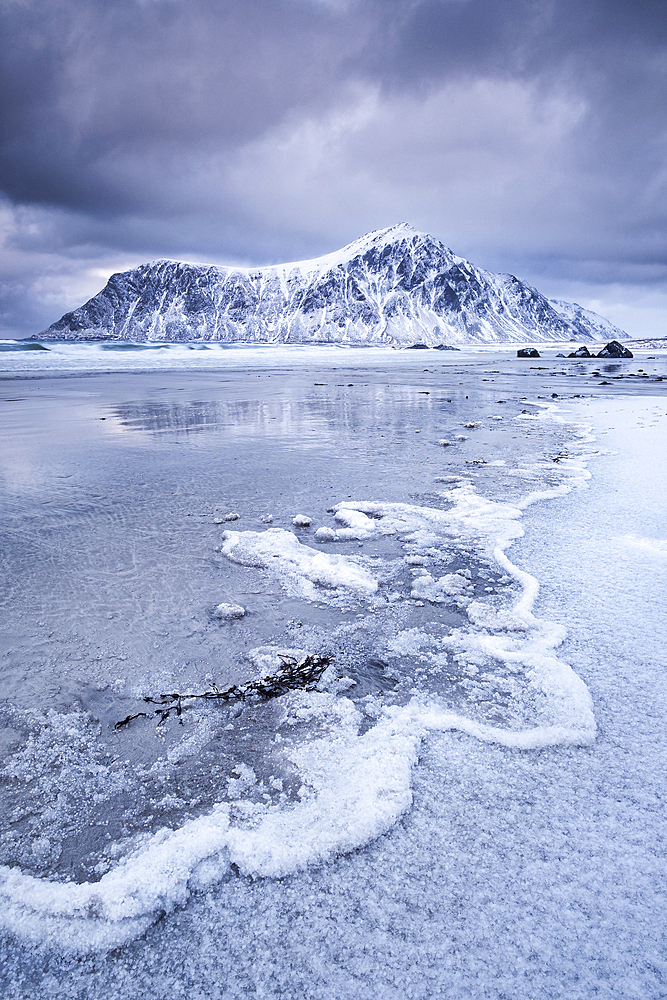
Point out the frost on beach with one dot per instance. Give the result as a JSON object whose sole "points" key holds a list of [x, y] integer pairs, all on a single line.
{"points": [[351, 758], [302, 569], [503, 656], [427, 588]]}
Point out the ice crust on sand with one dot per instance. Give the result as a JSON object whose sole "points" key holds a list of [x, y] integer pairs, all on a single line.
{"points": [[304, 571], [354, 779], [650, 546], [354, 789]]}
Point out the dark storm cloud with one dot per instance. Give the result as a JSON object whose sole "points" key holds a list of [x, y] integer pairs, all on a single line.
{"points": [[88, 84], [529, 134], [97, 95], [435, 37], [611, 54]]}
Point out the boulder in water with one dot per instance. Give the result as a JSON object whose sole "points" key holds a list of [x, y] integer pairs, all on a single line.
{"points": [[527, 352], [615, 350]]}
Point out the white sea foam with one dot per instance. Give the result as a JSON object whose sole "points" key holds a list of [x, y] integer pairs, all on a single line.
{"points": [[304, 571], [355, 784], [354, 789]]}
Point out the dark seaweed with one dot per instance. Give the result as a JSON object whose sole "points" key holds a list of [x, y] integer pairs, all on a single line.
{"points": [[293, 675]]}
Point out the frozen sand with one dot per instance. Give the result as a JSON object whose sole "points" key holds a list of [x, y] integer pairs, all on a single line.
{"points": [[469, 890]]}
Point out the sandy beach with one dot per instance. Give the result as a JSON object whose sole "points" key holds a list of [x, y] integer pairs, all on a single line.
{"points": [[511, 739]]}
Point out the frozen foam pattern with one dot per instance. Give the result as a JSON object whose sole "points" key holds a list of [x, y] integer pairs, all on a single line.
{"points": [[355, 784], [512, 639], [471, 516], [449, 585], [304, 571], [355, 787]]}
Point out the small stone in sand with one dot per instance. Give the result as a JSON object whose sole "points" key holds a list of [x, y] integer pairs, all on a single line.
{"points": [[301, 521]]}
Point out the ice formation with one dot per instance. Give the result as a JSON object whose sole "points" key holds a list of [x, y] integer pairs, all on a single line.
{"points": [[355, 783]]}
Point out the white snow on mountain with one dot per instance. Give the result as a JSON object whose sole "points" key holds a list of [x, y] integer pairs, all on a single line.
{"points": [[576, 314], [394, 286]]}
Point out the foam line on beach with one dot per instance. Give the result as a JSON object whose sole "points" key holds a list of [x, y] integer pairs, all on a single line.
{"points": [[355, 783]]}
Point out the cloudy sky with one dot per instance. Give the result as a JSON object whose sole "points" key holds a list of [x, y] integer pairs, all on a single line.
{"points": [[528, 135]]}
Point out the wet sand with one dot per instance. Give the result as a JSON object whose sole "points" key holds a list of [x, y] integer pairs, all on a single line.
{"points": [[112, 486]]}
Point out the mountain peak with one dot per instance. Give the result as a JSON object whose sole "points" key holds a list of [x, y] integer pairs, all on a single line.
{"points": [[371, 241], [390, 233], [380, 237]]}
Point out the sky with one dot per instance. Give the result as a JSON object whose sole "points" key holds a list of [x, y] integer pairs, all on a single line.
{"points": [[529, 136]]}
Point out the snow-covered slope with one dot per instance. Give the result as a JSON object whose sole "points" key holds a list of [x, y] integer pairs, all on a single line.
{"points": [[601, 328], [393, 286]]}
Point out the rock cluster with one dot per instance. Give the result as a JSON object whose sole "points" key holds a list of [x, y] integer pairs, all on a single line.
{"points": [[611, 350]]}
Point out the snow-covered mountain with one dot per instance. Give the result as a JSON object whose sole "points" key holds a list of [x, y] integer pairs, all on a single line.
{"points": [[600, 327], [393, 286]]}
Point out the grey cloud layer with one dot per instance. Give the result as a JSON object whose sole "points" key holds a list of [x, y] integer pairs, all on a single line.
{"points": [[90, 86], [528, 134]]}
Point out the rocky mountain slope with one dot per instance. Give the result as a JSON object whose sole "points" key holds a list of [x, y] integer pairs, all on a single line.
{"points": [[394, 286]]}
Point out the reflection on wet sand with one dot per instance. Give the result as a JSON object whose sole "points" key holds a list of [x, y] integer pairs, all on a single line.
{"points": [[297, 418]]}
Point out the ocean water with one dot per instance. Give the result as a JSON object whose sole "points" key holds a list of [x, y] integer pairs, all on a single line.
{"points": [[468, 802]]}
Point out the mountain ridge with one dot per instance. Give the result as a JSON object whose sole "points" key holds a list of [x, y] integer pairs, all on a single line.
{"points": [[393, 286]]}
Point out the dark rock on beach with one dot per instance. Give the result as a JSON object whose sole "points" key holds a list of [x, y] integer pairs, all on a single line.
{"points": [[583, 352], [614, 350], [527, 352]]}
